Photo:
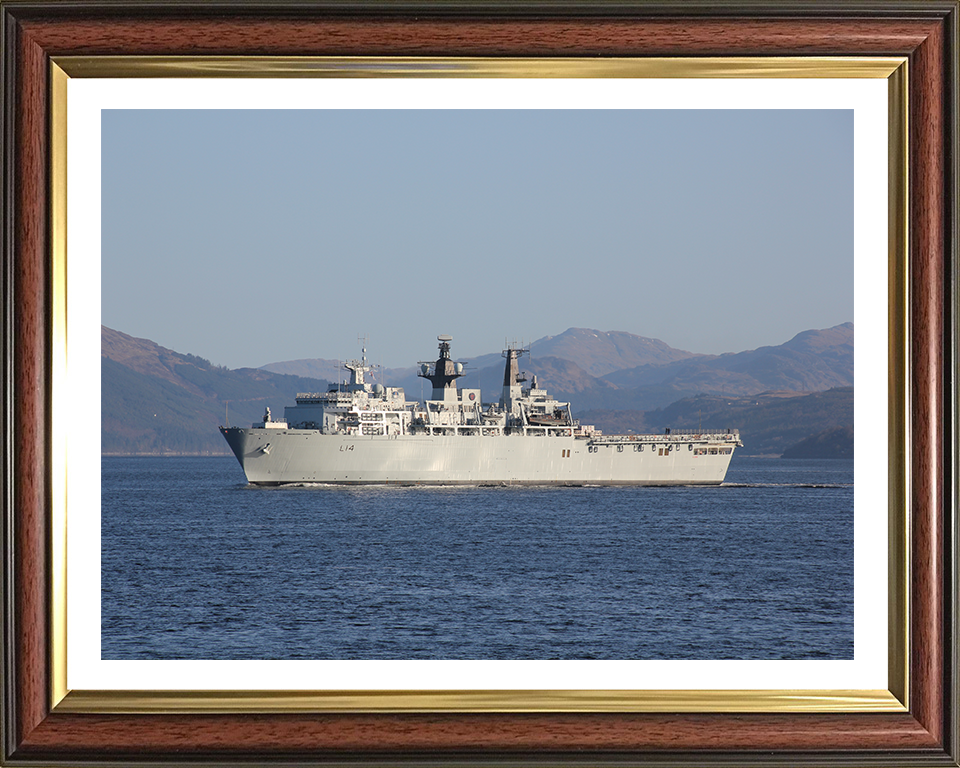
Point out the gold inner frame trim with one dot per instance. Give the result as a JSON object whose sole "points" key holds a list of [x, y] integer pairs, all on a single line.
{"points": [[59, 391], [893, 69], [898, 414], [227, 702], [440, 67]]}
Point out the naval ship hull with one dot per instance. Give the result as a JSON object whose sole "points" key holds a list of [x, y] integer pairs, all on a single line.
{"points": [[289, 456]]}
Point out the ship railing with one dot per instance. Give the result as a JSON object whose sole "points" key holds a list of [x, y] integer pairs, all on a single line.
{"points": [[340, 397], [701, 431], [675, 436]]}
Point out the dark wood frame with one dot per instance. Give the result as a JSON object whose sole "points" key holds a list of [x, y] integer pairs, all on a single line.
{"points": [[925, 32]]}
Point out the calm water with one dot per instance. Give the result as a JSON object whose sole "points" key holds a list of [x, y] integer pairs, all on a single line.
{"points": [[198, 565]]}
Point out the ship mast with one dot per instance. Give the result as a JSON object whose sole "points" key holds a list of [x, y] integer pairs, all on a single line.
{"points": [[443, 373], [512, 378], [358, 368]]}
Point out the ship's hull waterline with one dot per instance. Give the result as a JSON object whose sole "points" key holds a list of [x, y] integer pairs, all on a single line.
{"points": [[290, 456]]}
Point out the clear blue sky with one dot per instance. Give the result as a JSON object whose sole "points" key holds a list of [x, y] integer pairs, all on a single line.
{"points": [[250, 237]]}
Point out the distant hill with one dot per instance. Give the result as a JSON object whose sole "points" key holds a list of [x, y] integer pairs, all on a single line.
{"points": [[770, 423], [314, 368], [596, 352], [332, 370], [811, 361], [602, 352], [155, 400]]}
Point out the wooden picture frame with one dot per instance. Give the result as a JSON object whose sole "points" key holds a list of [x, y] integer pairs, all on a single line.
{"points": [[36, 731]]}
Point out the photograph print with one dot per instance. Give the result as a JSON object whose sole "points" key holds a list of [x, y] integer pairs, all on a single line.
{"points": [[477, 384]]}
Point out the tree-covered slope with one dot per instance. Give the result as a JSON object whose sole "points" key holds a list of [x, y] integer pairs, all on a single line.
{"points": [[769, 423], [160, 401]]}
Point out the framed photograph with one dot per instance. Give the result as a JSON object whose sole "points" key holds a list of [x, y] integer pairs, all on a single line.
{"points": [[64, 66]]}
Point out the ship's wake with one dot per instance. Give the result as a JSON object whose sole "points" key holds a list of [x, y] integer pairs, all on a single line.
{"points": [[786, 485]]}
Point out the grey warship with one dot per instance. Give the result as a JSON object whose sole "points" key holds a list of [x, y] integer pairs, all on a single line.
{"points": [[365, 433]]}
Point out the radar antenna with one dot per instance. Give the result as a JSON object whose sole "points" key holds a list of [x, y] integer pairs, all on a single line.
{"points": [[359, 367], [362, 341], [444, 372]]}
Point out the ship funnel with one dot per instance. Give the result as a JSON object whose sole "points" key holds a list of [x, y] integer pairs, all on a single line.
{"points": [[511, 376]]}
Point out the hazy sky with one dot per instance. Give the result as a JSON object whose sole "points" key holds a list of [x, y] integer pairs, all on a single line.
{"points": [[250, 237]]}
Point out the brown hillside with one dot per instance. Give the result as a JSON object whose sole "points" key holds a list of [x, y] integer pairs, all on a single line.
{"points": [[602, 352], [144, 356]]}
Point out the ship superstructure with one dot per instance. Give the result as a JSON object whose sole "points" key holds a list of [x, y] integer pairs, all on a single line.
{"points": [[360, 432]]}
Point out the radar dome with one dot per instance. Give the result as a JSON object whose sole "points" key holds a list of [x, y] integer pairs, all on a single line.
{"points": [[378, 389], [424, 368], [459, 367]]}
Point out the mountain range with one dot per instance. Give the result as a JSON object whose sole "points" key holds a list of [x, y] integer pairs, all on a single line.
{"points": [[620, 371], [155, 400], [811, 361], [596, 352]]}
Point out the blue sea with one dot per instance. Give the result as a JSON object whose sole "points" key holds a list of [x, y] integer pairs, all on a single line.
{"points": [[196, 564]]}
